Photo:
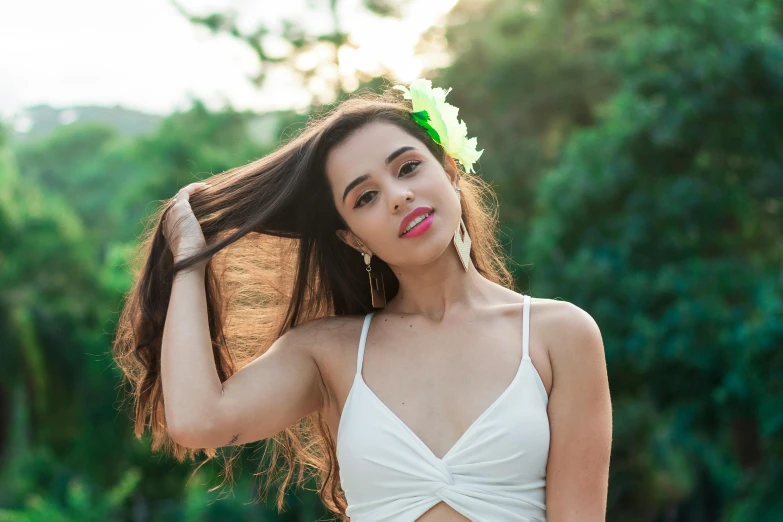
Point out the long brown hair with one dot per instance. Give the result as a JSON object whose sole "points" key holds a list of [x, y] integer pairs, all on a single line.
{"points": [[273, 262]]}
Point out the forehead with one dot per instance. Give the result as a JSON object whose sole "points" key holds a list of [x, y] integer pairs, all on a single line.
{"points": [[365, 151]]}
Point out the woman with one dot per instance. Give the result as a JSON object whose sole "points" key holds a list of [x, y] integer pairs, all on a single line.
{"points": [[430, 390]]}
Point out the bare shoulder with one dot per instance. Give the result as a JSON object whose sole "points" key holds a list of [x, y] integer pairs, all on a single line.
{"points": [[324, 333], [331, 341], [566, 326], [562, 317], [572, 337]]}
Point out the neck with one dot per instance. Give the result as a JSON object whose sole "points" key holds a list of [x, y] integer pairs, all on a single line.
{"points": [[439, 288]]}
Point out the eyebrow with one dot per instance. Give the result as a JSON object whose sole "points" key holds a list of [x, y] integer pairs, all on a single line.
{"points": [[364, 177]]}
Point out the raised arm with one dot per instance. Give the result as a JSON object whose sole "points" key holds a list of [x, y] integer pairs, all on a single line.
{"points": [[259, 400]]}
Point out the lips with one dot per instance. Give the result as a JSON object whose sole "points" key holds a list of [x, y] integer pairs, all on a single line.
{"points": [[418, 211]]}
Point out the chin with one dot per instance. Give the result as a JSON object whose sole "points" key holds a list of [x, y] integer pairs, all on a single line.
{"points": [[423, 253]]}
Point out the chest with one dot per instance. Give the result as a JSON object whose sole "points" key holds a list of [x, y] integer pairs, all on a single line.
{"points": [[436, 382]]}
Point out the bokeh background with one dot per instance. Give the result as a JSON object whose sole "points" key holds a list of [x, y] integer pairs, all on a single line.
{"points": [[636, 148]]}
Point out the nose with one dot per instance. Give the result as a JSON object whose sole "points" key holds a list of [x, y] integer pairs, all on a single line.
{"points": [[400, 198]]}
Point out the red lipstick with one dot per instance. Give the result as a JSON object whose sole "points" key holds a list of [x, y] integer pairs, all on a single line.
{"points": [[419, 228]]}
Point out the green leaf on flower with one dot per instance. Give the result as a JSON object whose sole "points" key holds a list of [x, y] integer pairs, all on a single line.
{"points": [[422, 118]]}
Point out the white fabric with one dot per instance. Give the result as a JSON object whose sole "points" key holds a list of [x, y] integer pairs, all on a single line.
{"points": [[495, 472]]}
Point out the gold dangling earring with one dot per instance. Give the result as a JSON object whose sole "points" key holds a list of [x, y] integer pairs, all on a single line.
{"points": [[377, 291], [462, 241]]}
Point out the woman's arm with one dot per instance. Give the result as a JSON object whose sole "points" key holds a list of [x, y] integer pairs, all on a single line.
{"points": [[262, 398], [580, 418]]}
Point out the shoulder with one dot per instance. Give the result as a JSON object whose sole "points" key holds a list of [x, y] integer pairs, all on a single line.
{"points": [[572, 336], [332, 343], [562, 320], [559, 325], [328, 339], [323, 332]]}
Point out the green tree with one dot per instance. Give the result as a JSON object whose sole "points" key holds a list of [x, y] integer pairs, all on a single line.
{"points": [[664, 221], [525, 75]]}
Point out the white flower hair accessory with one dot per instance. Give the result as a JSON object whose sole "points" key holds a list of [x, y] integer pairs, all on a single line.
{"points": [[439, 118]]}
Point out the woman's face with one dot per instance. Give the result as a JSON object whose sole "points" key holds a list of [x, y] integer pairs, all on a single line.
{"points": [[375, 197]]}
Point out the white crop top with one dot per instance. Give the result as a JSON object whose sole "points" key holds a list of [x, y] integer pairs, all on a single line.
{"points": [[495, 472]]}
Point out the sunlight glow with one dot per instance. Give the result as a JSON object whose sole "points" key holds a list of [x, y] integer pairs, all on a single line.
{"points": [[146, 55]]}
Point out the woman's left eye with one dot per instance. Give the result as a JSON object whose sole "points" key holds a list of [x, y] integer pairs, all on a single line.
{"points": [[414, 163]]}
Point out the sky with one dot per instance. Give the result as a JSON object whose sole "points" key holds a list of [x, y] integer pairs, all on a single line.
{"points": [[145, 55]]}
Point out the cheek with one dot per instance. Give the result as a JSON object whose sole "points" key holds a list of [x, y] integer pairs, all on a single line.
{"points": [[369, 224]]}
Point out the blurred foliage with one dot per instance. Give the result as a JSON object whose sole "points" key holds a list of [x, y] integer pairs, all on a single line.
{"points": [[79, 503], [41, 120], [664, 221], [303, 45], [71, 207], [636, 150]]}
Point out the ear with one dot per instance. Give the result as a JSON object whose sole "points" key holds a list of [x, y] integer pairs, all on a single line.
{"points": [[452, 171], [348, 237]]}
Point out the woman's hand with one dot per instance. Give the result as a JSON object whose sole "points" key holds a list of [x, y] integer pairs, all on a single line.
{"points": [[180, 226]]}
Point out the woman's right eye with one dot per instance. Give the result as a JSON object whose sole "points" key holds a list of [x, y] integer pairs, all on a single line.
{"points": [[359, 201]]}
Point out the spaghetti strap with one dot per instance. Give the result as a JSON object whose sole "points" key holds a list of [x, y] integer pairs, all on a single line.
{"points": [[526, 328], [362, 341]]}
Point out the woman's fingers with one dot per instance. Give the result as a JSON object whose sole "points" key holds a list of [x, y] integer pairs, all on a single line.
{"points": [[181, 228], [184, 193]]}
